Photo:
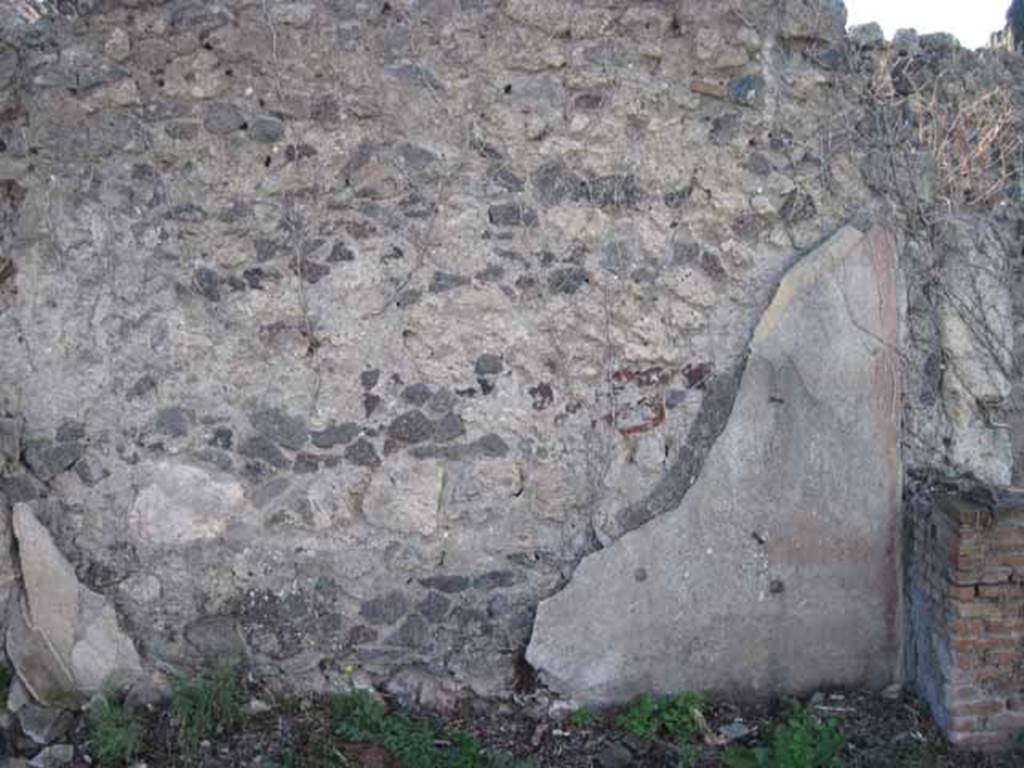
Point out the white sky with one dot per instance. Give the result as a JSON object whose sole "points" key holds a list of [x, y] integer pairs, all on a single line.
{"points": [[970, 20]]}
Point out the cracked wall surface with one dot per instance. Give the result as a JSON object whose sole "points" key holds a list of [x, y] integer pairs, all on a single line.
{"points": [[341, 332]]}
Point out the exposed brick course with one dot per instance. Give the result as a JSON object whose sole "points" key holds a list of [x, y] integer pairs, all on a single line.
{"points": [[965, 595]]}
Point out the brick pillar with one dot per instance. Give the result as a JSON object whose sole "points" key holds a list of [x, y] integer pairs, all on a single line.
{"points": [[965, 591]]}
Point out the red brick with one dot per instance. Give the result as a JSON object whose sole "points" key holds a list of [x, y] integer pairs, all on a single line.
{"points": [[709, 88], [977, 609], [1007, 721], [968, 644], [1004, 658], [963, 592], [967, 724], [1008, 537], [1009, 589], [993, 574], [978, 740], [1012, 627], [970, 708], [968, 627]]}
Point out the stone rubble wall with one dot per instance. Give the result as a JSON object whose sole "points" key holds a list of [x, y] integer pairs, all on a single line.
{"points": [[339, 333]]}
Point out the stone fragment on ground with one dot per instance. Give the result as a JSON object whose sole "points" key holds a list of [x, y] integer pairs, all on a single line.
{"points": [[62, 638]]}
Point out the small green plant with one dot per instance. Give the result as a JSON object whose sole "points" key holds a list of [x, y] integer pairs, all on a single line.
{"points": [[206, 702], [802, 742], [582, 717], [415, 742], [689, 756], [115, 735], [679, 718], [641, 718]]}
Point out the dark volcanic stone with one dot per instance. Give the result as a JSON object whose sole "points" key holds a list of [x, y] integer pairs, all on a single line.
{"points": [[434, 607], [341, 253], [340, 434], [746, 90], [263, 448], [511, 215], [173, 422], [447, 583], [614, 191], [553, 183], [362, 454], [266, 129], [411, 427], [222, 118], [417, 394], [414, 632], [492, 446], [369, 379], [306, 463], [488, 364], [449, 427], [48, 460], [360, 635], [222, 438], [283, 428], [568, 280], [446, 281], [497, 579], [206, 283], [384, 609], [69, 432]]}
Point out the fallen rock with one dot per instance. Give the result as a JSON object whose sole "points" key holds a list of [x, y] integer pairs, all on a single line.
{"points": [[44, 724], [17, 696], [777, 572], [53, 756], [63, 639], [735, 730]]}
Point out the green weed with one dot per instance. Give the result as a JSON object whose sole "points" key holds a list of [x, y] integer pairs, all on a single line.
{"points": [[582, 717], [678, 718], [115, 735], [205, 703], [690, 756], [802, 742], [416, 742]]}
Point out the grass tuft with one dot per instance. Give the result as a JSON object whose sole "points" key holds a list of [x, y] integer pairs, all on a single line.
{"points": [[679, 718], [208, 702], [416, 742], [801, 742], [115, 734]]}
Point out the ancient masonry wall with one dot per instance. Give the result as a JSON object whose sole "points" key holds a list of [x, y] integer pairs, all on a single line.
{"points": [[966, 600], [339, 333]]}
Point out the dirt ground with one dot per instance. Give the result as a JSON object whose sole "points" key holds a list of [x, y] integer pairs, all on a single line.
{"points": [[880, 732]]}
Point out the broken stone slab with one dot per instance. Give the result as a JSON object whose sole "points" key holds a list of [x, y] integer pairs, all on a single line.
{"points": [[44, 725], [53, 756], [63, 639], [777, 572]]}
